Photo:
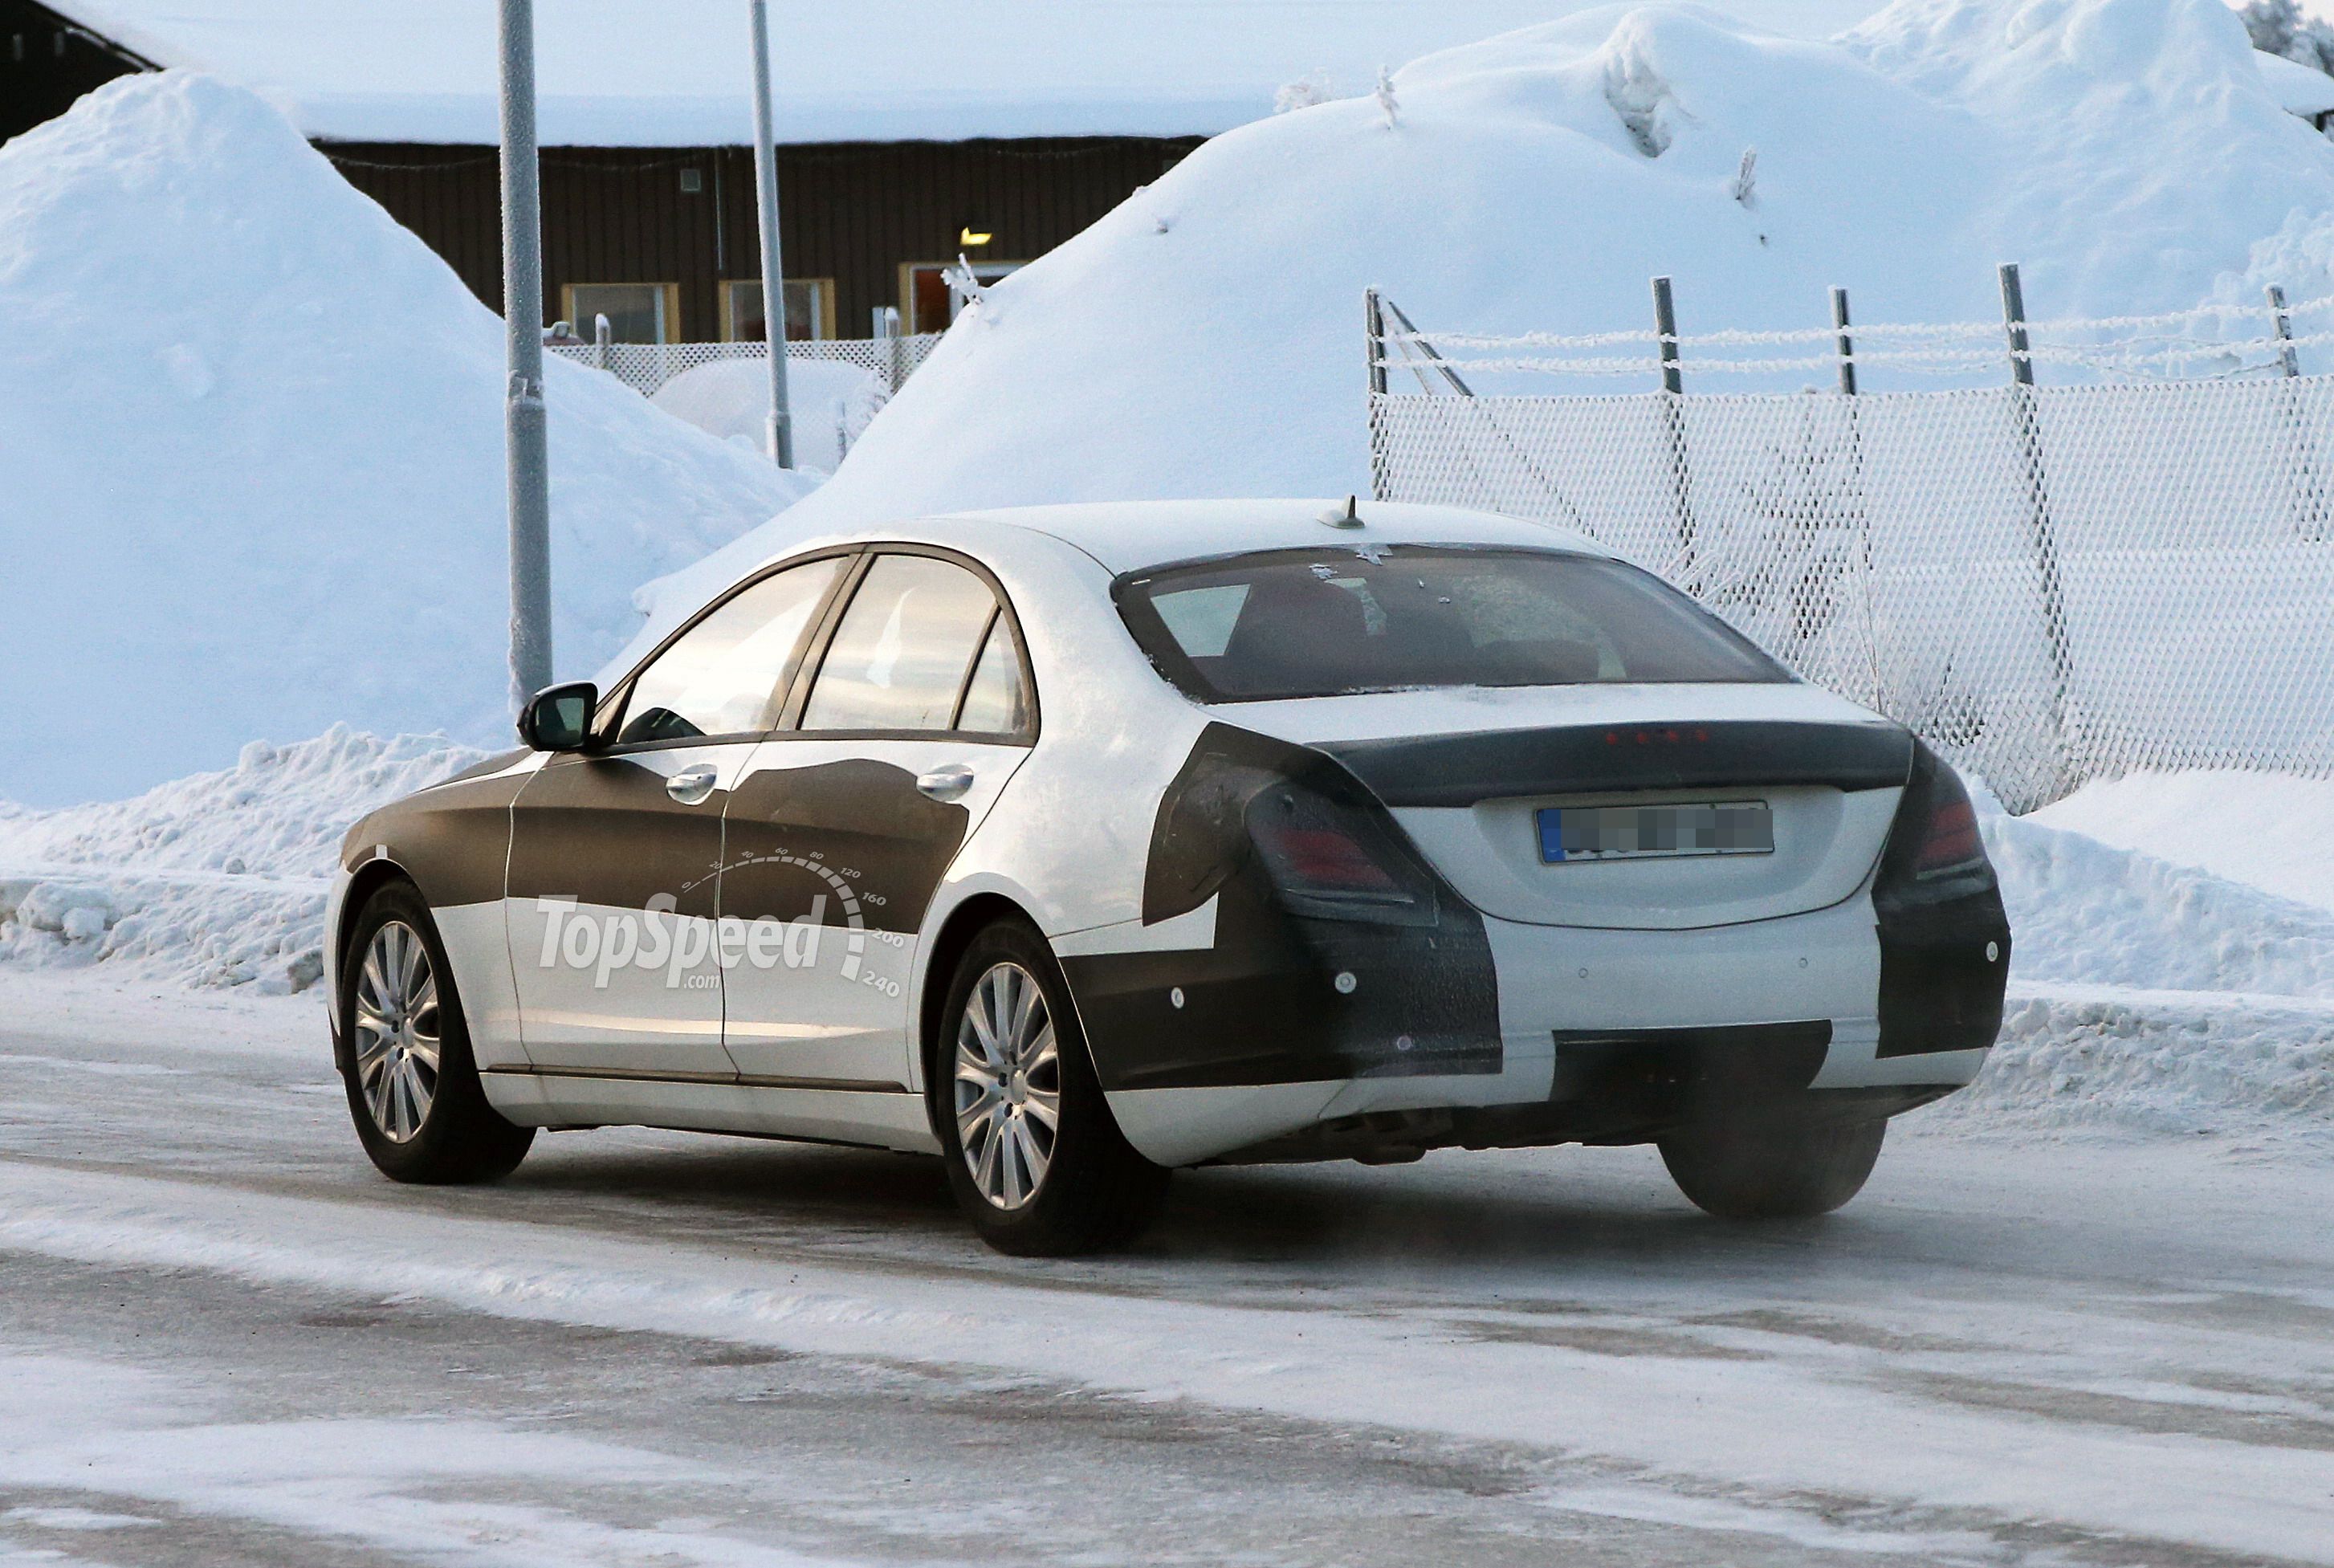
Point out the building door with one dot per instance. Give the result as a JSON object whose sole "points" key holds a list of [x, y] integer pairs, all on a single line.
{"points": [[927, 302]]}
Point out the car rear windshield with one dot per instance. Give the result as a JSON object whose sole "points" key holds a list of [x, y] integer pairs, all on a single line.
{"points": [[1325, 623]]}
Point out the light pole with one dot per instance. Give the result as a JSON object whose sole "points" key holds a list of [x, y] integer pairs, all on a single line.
{"points": [[525, 439], [774, 275]]}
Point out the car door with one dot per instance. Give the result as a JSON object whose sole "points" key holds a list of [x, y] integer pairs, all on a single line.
{"points": [[844, 822], [616, 852]]}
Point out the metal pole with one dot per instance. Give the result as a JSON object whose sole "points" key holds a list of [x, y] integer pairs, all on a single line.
{"points": [[603, 341], [1374, 325], [2027, 423], [1666, 336], [1374, 330], [2013, 321], [773, 276], [2286, 359], [525, 441], [1846, 346]]}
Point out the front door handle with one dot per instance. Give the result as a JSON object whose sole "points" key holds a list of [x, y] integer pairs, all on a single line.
{"points": [[691, 785], [946, 783]]}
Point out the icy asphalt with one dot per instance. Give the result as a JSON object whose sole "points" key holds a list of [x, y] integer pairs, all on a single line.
{"points": [[224, 1340]]}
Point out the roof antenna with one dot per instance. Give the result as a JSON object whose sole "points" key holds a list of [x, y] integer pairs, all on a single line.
{"points": [[1349, 518]]}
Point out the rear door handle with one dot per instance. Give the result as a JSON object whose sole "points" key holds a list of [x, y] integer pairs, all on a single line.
{"points": [[691, 785], [946, 783]]}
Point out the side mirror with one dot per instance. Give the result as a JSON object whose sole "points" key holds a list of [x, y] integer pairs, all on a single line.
{"points": [[559, 717]]}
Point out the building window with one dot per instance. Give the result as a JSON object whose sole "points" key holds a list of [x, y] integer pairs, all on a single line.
{"points": [[927, 304], [636, 312], [810, 309]]}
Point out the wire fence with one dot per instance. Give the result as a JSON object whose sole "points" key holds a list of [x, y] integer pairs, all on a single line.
{"points": [[646, 367], [2052, 583]]}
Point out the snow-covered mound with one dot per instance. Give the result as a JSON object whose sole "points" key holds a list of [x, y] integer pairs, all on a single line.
{"points": [[2147, 996], [831, 403], [215, 880], [251, 444], [1205, 338], [2273, 831]]}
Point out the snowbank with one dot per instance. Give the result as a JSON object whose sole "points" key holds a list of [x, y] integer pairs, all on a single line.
{"points": [[2275, 833], [1205, 338], [215, 880], [729, 400], [255, 458]]}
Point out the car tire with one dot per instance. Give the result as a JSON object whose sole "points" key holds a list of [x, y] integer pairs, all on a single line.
{"points": [[419, 1120], [1001, 1065], [1773, 1170]]}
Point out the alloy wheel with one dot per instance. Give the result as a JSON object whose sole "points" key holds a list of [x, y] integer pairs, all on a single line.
{"points": [[1009, 1085], [396, 1031]]}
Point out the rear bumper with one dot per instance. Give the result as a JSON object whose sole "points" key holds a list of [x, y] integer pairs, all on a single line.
{"points": [[1606, 1037]]}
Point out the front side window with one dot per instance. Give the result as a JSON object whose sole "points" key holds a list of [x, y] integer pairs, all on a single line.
{"points": [[900, 657], [1293, 623], [723, 675]]}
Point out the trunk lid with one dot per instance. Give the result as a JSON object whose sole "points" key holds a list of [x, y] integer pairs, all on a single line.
{"points": [[1467, 772]]}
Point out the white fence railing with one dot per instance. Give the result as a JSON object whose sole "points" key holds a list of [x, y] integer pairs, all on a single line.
{"points": [[2052, 583], [645, 367]]}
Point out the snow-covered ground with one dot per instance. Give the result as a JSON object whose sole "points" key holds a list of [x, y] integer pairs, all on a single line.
{"points": [[221, 1331], [252, 437]]}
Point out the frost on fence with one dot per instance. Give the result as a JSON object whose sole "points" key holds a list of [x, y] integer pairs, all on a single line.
{"points": [[2054, 584], [645, 367]]}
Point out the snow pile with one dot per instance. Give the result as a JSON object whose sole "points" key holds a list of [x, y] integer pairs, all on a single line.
{"points": [[1205, 338], [2161, 998], [2275, 833], [255, 458], [831, 403], [215, 880]]}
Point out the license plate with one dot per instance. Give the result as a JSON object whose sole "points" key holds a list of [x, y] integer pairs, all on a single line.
{"points": [[1645, 832]]}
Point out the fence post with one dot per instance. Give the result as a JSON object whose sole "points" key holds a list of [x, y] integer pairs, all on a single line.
{"points": [[1846, 347], [1673, 412], [603, 335], [2310, 499], [2026, 422], [1374, 328], [2287, 360]]}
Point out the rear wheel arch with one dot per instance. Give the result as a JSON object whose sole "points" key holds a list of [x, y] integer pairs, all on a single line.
{"points": [[956, 934]]}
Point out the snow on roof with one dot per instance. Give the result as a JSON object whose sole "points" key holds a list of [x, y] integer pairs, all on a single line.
{"points": [[2302, 89], [676, 73]]}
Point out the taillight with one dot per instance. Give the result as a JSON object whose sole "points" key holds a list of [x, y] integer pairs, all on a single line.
{"points": [[1327, 857], [1936, 840], [1950, 842]]}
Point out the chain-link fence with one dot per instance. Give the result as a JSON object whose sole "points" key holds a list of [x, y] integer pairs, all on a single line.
{"points": [[645, 367], [2053, 584]]}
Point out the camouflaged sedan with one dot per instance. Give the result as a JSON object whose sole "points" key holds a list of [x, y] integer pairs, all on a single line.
{"points": [[1076, 844]]}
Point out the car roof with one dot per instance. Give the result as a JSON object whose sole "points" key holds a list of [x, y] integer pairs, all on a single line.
{"points": [[1131, 535]]}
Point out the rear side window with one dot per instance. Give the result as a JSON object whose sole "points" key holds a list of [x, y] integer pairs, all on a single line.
{"points": [[1327, 622], [722, 675], [900, 657]]}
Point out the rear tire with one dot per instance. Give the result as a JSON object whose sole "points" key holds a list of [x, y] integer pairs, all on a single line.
{"points": [[1011, 1057], [412, 1082], [1773, 1170]]}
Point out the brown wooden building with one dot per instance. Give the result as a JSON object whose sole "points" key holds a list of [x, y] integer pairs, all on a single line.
{"points": [[909, 130], [663, 239]]}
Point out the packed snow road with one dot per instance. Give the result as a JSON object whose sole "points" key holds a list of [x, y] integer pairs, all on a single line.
{"points": [[224, 1339]]}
